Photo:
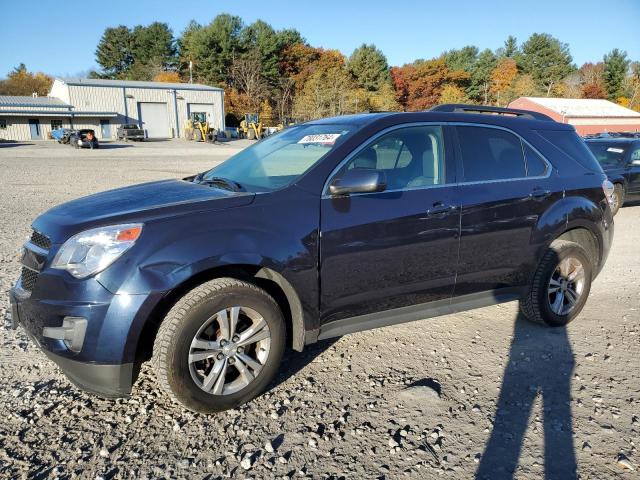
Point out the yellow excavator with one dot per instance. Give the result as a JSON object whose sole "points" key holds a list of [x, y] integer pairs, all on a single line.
{"points": [[251, 127], [198, 129]]}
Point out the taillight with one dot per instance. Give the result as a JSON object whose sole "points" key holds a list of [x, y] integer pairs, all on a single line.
{"points": [[608, 189]]}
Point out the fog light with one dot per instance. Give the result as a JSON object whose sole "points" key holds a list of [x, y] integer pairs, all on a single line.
{"points": [[71, 332]]}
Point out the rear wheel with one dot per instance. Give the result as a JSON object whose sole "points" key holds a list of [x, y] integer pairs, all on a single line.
{"points": [[560, 286], [617, 199], [219, 346]]}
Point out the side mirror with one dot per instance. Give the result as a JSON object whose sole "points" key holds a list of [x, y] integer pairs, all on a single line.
{"points": [[359, 180]]}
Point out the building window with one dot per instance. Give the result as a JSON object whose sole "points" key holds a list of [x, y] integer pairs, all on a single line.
{"points": [[56, 124], [3, 124]]}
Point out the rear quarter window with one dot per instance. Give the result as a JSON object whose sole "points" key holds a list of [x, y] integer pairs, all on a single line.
{"points": [[569, 143]]}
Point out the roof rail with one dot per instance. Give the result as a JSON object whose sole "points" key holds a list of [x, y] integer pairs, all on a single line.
{"points": [[462, 108]]}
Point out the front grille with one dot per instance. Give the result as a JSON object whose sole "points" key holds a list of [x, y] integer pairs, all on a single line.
{"points": [[40, 240], [28, 279]]}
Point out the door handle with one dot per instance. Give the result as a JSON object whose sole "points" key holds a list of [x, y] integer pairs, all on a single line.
{"points": [[539, 193], [440, 207]]}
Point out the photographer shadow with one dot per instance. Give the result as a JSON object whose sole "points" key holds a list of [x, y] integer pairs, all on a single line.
{"points": [[540, 362]]}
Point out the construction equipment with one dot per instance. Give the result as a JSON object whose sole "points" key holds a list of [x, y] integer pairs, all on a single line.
{"points": [[199, 129], [251, 127]]}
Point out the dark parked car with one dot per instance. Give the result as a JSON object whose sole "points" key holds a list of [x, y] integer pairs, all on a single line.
{"points": [[85, 138], [130, 131], [620, 160], [329, 227]]}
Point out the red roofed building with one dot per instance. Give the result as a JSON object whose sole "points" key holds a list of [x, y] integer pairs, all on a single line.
{"points": [[588, 116]]}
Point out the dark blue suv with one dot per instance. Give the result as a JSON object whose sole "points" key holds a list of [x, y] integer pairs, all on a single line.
{"points": [[619, 157], [329, 227]]}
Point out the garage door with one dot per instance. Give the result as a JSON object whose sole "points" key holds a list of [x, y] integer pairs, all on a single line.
{"points": [[203, 107], [154, 119]]}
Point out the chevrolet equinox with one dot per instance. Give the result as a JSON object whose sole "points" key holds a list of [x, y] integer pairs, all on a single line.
{"points": [[329, 227]]}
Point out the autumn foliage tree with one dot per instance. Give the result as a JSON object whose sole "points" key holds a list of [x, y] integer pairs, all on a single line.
{"points": [[419, 85], [22, 82], [502, 80]]}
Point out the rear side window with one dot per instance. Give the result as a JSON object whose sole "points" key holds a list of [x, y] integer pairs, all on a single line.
{"points": [[536, 166], [490, 154], [569, 143]]}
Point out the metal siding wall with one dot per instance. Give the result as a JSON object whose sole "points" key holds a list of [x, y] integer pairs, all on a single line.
{"points": [[60, 90], [89, 122], [18, 127], [214, 98], [96, 99], [110, 99]]}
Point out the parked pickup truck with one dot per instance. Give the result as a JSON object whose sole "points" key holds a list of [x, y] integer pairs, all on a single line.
{"points": [[130, 131]]}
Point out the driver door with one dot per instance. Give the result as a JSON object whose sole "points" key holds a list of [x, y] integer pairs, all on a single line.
{"points": [[398, 247]]}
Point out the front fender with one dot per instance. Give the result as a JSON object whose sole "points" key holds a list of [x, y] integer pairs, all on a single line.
{"points": [[282, 248]]}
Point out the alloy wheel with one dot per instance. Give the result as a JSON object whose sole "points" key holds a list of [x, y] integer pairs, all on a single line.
{"points": [[229, 350], [566, 286]]}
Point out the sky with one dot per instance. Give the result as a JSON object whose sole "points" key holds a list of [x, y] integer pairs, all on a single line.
{"points": [[60, 38]]}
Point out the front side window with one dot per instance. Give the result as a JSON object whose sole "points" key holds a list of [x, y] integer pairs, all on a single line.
{"points": [[281, 159], [609, 154], [490, 154], [411, 157], [635, 155]]}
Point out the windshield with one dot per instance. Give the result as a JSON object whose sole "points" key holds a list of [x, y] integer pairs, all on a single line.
{"points": [[280, 159], [609, 154]]}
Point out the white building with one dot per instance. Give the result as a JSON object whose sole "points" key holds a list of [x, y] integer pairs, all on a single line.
{"points": [[161, 109]]}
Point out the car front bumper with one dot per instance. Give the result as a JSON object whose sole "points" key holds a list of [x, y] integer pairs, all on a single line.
{"points": [[93, 342]]}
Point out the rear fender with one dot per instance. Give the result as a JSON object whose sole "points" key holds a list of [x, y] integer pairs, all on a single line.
{"points": [[566, 214]]}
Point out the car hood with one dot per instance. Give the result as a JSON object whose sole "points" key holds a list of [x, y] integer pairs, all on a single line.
{"points": [[137, 203]]}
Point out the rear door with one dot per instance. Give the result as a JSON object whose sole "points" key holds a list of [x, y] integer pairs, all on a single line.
{"points": [[633, 186], [398, 247], [505, 189]]}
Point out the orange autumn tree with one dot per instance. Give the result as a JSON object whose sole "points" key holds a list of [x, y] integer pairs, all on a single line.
{"points": [[169, 77], [502, 79], [419, 85]]}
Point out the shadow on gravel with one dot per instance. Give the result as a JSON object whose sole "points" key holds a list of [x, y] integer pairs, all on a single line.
{"points": [[293, 362], [540, 362], [7, 144], [112, 146]]}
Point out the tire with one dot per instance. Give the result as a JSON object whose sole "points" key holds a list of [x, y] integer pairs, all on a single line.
{"points": [[562, 260], [194, 384], [618, 198], [251, 134], [197, 135]]}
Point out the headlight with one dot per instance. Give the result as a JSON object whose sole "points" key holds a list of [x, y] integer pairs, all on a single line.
{"points": [[94, 250]]}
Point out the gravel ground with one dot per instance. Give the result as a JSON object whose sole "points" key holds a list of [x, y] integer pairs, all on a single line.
{"points": [[480, 393]]}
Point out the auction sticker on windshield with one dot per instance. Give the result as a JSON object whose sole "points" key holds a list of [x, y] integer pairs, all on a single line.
{"points": [[615, 150], [321, 138]]}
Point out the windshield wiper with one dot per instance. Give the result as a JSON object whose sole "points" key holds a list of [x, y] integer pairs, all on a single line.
{"points": [[220, 182]]}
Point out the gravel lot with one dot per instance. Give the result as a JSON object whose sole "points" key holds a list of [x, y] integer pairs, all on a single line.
{"points": [[513, 397]]}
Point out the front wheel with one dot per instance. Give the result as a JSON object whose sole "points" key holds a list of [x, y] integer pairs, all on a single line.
{"points": [[560, 286], [219, 346]]}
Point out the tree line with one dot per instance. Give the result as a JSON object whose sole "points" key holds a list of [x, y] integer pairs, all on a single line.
{"points": [[280, 75]]}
